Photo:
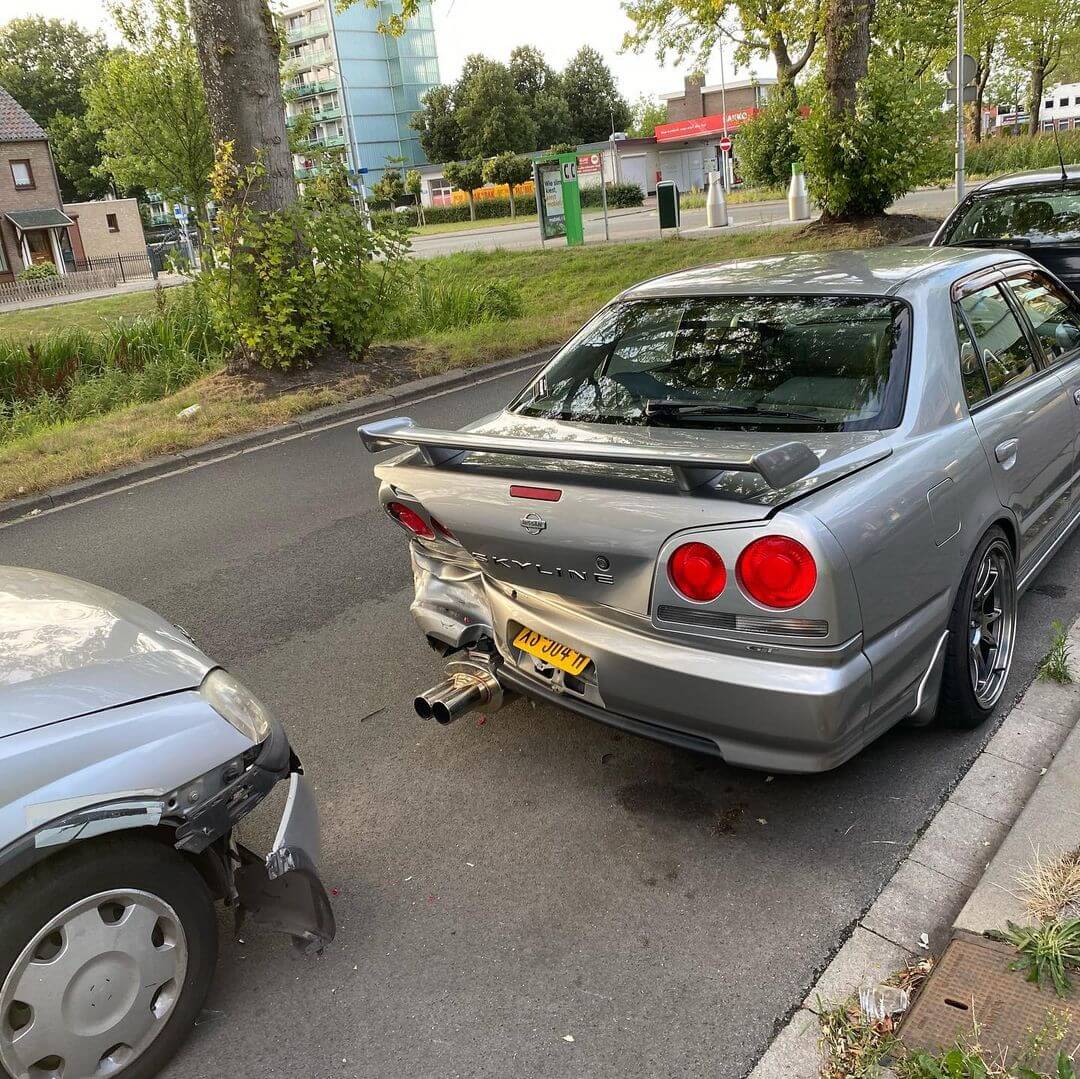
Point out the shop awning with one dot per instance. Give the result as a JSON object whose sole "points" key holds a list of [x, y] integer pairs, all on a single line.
{"points": [[25, 220]]}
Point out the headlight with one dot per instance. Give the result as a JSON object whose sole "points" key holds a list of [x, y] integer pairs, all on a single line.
{"points": [[236, 704]]}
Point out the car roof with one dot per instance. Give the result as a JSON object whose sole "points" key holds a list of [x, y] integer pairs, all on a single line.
{"points": [[878, 271], [1033, 178]]}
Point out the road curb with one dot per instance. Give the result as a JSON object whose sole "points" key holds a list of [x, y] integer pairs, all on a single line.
{"points": [[1021, 794], [309, 422]]}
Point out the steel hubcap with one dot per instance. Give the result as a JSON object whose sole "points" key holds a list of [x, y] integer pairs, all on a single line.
{"points": [[992, 625], [93, 988]]}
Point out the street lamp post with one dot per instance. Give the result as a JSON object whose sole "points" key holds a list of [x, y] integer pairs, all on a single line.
{"points": [[723, 109], [354, 145], [959, 100]]}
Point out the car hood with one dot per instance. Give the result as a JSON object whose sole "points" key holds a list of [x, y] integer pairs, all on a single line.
{"points": [[68, 649]]}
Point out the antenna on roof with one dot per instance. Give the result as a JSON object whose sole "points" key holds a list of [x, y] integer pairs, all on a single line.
{"points": [[1061, 156]]}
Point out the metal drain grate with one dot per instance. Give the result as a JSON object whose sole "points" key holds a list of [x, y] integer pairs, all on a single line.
{"points": [[973, 984]]}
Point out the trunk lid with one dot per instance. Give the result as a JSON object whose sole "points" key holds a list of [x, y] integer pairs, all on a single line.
{"points": [[600, 540]]}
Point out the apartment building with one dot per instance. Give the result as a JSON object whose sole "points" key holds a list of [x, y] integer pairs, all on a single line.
{"points": [[359, 87], [1061, 107]]}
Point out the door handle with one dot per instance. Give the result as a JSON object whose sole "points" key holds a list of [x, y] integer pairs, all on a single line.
{"points": [[1005, 452]]}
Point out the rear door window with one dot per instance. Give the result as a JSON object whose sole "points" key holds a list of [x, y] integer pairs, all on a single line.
{"points": [[1053, 313], [976, 388], [1003, 345]]}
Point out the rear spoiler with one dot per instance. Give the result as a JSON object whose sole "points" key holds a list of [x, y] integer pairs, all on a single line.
{"points": [[777, 466]]}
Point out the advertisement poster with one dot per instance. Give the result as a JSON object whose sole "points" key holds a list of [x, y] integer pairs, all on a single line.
{"points": [[554, 223]]}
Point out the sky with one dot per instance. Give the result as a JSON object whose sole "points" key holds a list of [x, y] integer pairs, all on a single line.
{"points": [[494, 27]]}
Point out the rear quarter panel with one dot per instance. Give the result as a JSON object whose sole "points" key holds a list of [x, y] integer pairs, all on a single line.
{"points": [[909, 525]]}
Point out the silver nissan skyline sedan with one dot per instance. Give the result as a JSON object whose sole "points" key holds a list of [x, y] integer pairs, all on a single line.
{"points": [[127, 759], [765, 510]]}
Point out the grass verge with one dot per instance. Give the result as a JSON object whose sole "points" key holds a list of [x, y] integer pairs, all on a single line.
{"points": [[80, 314], [559, 290]]}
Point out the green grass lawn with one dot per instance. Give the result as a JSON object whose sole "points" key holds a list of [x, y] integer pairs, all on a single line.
{"points": [[87, 314], [560, 289], [494, 222]]}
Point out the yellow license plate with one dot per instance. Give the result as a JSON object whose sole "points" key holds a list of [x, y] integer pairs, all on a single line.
{"points": [[544, 648]]}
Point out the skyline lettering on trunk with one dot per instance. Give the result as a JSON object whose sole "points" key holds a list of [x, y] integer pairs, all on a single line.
{"points": [[544, 571]]}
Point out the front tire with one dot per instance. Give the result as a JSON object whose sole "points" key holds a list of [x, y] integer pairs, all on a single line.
{"points": [[107, 951], [982, 635]]}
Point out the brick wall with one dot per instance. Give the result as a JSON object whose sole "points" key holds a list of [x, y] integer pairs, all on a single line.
{"points": [[694, 104], [43, 195], [98, 239]]}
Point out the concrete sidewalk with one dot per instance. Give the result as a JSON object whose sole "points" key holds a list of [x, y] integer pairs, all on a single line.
{"points": [[1020, 797]]}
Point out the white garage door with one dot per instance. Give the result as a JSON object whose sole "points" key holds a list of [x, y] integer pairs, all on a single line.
{"points": [[632, 171]]}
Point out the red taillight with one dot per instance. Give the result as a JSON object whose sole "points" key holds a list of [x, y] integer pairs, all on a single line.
{"points": [[697, 571], [777, 571], [443, 530], [410, 520]]}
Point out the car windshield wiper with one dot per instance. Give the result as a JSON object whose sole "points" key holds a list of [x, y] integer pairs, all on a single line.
{"points": [[988, 241], [664, 409]]}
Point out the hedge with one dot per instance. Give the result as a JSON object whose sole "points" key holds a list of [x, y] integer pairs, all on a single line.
{"points": [[618, 195], [1008, 153]]}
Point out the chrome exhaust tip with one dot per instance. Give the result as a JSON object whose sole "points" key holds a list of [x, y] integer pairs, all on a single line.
{"points": [[470, 684]]}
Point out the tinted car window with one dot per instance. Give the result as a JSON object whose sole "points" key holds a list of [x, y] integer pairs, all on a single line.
{"points": [[976, 388], [825, 363], [1049, 216], [1005, 352], [1052, 311]]}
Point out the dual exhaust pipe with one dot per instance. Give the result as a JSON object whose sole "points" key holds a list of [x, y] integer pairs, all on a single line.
{"points": [[469, 685]]}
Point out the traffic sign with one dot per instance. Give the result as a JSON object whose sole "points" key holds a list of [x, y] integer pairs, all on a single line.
{"points": [[967, 70], [725, 144]]}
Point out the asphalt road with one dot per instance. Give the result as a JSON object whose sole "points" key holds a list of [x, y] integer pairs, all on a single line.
{"points": [[643, 224], [501, 887]]}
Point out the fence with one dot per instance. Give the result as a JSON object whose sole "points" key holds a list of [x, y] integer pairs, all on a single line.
{"points": [[48, 287], [134, 265]]}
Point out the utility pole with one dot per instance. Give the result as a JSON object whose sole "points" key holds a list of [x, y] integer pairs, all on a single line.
{"points": [[959, 100], [725, 155]]}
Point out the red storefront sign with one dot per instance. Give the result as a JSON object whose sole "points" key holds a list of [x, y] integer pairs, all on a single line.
{"points": [[588, 163], [702, 126]]}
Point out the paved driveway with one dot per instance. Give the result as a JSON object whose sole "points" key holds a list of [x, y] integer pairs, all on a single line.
{"points": [[507, 886]]}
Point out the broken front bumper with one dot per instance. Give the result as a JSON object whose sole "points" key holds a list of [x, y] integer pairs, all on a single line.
{"points": [[281, 890]]}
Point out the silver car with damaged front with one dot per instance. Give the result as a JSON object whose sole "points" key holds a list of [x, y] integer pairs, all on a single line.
{"points": [[127, 758], [765, 510]]}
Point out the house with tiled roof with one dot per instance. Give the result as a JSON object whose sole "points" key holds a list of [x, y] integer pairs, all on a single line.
{"points": [[33, 225]]}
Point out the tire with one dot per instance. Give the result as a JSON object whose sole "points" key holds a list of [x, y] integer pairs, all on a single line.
{"points": [[149, 972], [966, 699]]}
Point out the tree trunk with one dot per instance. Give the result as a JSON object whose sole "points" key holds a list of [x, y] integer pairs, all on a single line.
{"points": [[982, 77], [513, 208], [472, 207], [239, 48], [847, 51], [1035, 99]]}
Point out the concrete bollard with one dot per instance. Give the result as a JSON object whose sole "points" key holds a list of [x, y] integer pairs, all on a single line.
{"points": [[798, 200], [716, 214]]}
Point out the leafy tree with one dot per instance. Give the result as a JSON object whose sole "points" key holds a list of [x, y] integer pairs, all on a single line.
{"points": [[510, 169], [542, 91], [413, 186], [390, 187], [861, 158], [1038, 36], [768, 144], [239, 52], [596, 106], [45, 64], [437, 125], [910, 33], [648, 115], [785, 30], [148, 103], [467, 176], [492, 114]]}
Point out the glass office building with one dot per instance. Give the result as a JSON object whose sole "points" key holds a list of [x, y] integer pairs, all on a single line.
{"points": [[359, 86]]}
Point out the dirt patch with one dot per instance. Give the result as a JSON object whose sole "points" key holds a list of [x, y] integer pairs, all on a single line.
{"points": [[381, 367], [884, 228]]}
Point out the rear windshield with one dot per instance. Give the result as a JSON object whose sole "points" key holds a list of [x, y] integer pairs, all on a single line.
{"points": [[1041, 217], [818, 363]]}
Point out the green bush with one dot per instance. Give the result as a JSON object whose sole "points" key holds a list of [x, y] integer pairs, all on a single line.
{"points": [[619, 196], [767, 144], [74, 374], [40, 271], [433, 301], [1007, 153], [853, 169]]}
